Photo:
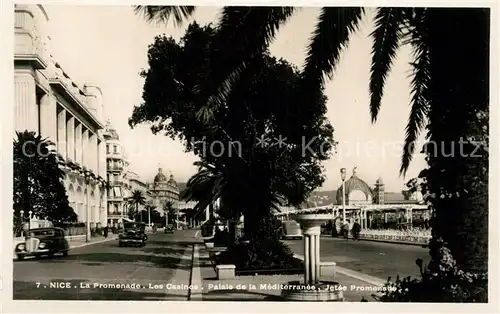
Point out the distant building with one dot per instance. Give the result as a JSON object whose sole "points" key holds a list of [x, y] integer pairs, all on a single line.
{"points": [[164, 190], [48, 102], [119, 185], [357, 191]]}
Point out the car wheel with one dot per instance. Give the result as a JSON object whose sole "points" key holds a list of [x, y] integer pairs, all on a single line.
{"points": [[120, 244], [143, 243], [20, 257], [65, 253]]}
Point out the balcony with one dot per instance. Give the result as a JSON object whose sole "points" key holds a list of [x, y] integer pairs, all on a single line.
{"points": [[114, 155], [115, 167], [116, 214]]}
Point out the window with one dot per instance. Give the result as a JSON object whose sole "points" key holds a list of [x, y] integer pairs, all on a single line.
{"points": [[115, 149], [107, 149]]}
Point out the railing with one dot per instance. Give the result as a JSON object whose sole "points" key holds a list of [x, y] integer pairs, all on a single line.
{"points": [[415, 235]]}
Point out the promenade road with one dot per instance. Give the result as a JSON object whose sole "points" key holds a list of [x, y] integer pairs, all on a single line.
{"points": [[158, 271], [376, 259]]}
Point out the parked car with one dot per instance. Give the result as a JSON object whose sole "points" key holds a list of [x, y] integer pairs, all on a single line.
{"points": [[133, 234], [43, 241], [291, 230], [169, 229]]}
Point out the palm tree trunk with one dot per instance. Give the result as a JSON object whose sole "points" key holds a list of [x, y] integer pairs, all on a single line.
{"points": [[459, 50]]}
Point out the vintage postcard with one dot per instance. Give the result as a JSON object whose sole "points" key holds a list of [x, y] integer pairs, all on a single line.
{"points": [[280, 157]]}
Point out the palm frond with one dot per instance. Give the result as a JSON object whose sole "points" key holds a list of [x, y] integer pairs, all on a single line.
{"points": [[162, 14], [419, 90], [242, 34], [330, 37], [386, 40]]}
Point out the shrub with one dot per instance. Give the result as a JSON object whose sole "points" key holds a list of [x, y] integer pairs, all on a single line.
{"points": [[222, 238], [264, 254], [442, 281], [207, 229]]}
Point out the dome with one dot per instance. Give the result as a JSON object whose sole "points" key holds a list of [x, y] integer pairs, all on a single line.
{"points": [[171, 181], [379, 181], [355, 184], [160, 177], [111, 131]]}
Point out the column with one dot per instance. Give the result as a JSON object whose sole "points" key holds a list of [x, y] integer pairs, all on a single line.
{"points": [[70, 138], [85, 149], [93, 152], [78, 144], [48, 117], [317, 258], [26, 111], [307, 272], [61, 134], [312, 258]]}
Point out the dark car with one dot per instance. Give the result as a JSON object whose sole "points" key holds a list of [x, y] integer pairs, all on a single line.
{"points": [[169, 229], [134, 233], [43, 241]]}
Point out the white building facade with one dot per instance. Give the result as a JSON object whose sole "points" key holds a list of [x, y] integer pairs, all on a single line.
{"points": [[48, 102], [117, 177]]}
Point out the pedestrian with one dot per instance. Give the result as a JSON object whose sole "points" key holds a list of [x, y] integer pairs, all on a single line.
{"points": [[345, 230], [105, 232], [356, 230]]}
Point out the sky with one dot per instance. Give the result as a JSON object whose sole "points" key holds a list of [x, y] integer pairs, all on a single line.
{"points": [[107, 46]]}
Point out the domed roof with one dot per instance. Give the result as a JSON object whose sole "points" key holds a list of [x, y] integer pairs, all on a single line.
{"points": [[160, 177], [111, 131], [354, 184], [171, 181], [379, 181]]}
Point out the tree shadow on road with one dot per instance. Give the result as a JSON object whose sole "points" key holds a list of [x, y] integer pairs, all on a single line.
{"points": [[121, 258], [172, 242], [28, 291], [239, 295]]}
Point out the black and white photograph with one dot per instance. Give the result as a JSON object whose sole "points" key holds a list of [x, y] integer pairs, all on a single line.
{"points": [[273, 154]]}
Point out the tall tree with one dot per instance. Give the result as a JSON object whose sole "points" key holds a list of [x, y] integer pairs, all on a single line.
{"points": [[135, 200], [269, 144], [168, 210], [38, 180], [450, 95]]}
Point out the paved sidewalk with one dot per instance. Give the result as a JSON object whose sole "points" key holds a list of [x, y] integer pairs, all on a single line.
{"points": [[238, 289]]}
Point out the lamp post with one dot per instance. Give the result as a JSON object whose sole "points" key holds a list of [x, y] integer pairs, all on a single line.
{"points": [[87, 214], [149, 215], [343, 175], [21, 212], [29, 221]]}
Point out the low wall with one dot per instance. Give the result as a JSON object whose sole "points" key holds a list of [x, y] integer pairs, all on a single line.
{"points": [[417, 239]]}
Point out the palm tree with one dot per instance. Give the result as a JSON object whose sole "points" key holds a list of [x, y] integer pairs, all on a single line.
{"points": [[439, 99], [168, 208], [135, 200]]}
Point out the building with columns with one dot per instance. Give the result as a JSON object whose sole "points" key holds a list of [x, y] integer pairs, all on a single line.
{"points": [[119, 187], [50, 103]]}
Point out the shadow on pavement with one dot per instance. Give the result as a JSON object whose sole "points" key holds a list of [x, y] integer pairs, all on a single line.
{"points": [[238, 295], [152, 260], [28, 291], [175, 251], [171, 242]]}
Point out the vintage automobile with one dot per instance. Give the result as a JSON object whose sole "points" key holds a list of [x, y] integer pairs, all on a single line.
{"points": [[43, 241], [133, 234], [290, 229], [169, 229]]}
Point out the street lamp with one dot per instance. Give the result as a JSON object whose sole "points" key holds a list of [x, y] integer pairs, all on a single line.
{"points": [[343, 175]]}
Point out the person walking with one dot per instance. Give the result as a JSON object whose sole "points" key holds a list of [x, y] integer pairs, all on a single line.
{"points": [[356, 230], [105, 232], [345, 229]]}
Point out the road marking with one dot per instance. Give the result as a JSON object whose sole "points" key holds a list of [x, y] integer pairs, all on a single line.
{"points": [[354, 274], [196, 282]]}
